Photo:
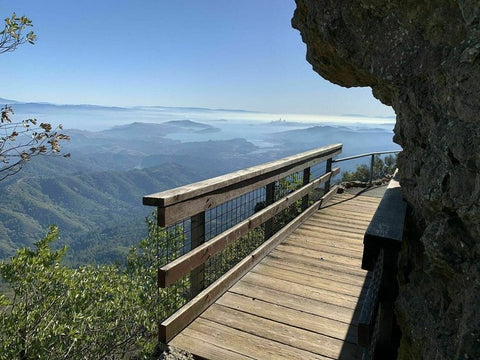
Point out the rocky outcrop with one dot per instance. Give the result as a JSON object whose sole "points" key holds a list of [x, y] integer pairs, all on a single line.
{"points": [[423, 59]]}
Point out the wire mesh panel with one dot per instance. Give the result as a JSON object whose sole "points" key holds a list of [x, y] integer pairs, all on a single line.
{"points": [[230, 213]]}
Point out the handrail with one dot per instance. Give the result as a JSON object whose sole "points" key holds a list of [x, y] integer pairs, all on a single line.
{"points": [[372, 160], [182, 202], [366, 154]]}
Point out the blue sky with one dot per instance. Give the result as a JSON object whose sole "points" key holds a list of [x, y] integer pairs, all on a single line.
{"points": [[234, 54]]}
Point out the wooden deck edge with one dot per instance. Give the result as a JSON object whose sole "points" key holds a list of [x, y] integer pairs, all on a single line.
{"points": [[170, 327]]}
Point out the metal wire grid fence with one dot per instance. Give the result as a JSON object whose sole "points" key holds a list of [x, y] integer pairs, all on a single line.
{"points": [[225, 216]]}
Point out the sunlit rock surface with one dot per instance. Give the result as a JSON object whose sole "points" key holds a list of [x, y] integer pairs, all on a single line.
{"points": [[423, 59]]}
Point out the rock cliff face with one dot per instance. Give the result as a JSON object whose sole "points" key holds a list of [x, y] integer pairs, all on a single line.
{"points": [[423, 59]]}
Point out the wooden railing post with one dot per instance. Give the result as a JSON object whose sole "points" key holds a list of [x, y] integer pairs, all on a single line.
{"points": [[306, 180], [372, 160], [197, 276], [269, 199], [328, 168]]}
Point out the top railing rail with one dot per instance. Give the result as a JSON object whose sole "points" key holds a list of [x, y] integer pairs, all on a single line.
{"points": [[372, 160], [366, 154], [182, 202]]}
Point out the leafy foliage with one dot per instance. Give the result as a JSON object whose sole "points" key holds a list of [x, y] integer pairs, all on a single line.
{"points": [[13, 35], [381, 169], [22, 140], [89, 312]]}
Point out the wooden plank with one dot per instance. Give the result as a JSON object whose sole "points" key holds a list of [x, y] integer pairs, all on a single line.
{"points": [[175, 323], [296, 302], [196, 344], [295, 337], [174, 270], [338, 226], [333, 216], [289, 258], [329, 239], [341, 234], [321, 256], [364, 197], [197, 276], [342, 263], [341, 213], [353, 208], [317, 244], [248, 344], [183, 193], [324, 273], [363, 201], [310, 292], [343, 223], [356, 221], [285, 315], [299, 278]]}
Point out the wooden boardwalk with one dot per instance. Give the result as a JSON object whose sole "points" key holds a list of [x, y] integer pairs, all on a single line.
{"points": [[301, 301]]}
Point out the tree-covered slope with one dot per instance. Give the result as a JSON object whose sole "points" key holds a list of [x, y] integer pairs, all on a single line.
{"points": [[95, 212]]}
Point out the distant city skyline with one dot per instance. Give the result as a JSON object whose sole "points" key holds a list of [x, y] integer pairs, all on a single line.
{"points": [[213, 54]]}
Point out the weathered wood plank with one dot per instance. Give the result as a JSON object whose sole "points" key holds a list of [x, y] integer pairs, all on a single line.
{"points": [[330, 240], [299, 278], [314, 263], [320, 256], [317, 244], [325, 296], [338, 226], [248, 344], [296, 302], [307, 229], [295, 337], [285, 315], [195, 343], [174, 270], [341, 212], [325, 273], [355, 221], [183, 193]]}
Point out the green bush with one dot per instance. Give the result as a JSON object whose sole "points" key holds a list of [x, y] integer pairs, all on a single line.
{"points": [[89, 312], [381, 169]]}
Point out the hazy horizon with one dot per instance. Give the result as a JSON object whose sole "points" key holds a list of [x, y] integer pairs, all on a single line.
{"points": [[99, 117]]}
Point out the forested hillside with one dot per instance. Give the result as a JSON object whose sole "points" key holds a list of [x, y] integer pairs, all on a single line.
{"points": [[99, 214]]}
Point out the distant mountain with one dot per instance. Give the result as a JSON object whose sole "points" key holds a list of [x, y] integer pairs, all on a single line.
{"points": [[4, 101], [141, 130], [355, 141]]}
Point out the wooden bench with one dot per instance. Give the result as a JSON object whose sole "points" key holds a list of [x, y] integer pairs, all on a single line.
{"points": [[382, 242]]}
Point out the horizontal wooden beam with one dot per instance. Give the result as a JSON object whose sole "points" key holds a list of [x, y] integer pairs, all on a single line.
{"points": [[174, 270], [180, 203], [190, 311]]}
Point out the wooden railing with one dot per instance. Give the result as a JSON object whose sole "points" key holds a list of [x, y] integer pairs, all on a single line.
{"points": [[382, 242], [195, 200], [372, 160]]}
